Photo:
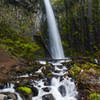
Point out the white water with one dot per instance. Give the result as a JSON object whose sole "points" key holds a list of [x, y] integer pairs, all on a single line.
{"points": [[56, 51], [56, 48], [69, 87], [67, 82], [11, 90], [70, 92]]}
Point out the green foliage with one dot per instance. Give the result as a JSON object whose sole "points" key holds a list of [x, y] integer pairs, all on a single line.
{"points": [[65, 44], [75, 70], [49, 74], [84, 67], [94, 96], [17, 45], [88, 65], [25, 89]]}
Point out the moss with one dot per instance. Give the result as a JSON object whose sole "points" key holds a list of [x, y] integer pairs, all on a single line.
{"points": [[17, 45], [83, 76], [85, 72], [75, 70], [87, 65], [98, 73], [25, 89], [94, 96], [49, 74], [84, 68]]}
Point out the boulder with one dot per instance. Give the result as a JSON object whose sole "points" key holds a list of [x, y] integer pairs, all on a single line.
{"points": [[2, 86], [46, 89], [62, 90], [48, 97], [12, 96], [26, 92], [8, 95], [34, 91]]}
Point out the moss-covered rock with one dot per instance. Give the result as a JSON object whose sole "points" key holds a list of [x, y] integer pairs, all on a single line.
{"points": [[25, 92], [24, 89]]}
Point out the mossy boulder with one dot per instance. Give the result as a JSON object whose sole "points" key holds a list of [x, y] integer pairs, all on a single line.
{"points": [[25, 89], [25, 92]]}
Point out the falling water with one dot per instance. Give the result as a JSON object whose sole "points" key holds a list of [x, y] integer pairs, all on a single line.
{"points": [[56, 48], [61, 86]]}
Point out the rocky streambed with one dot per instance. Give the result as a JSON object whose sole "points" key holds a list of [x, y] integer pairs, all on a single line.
{"points": [[43, 80]]}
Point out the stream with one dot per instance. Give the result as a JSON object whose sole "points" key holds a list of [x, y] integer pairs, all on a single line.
{"points": [[62, 88], [58, 87]]}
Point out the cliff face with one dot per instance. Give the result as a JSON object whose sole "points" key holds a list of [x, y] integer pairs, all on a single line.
{"points": [[19, 24], [21, 15]]}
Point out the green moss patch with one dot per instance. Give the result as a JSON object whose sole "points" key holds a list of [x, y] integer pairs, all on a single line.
{"points": [[25, 89], [85, 67], [17, 45], [94, 96]]}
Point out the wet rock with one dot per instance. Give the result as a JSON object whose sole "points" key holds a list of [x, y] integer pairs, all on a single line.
{"points": [[24, 90], [27, 92], [47, 89], [26, 97], [48, 81], [46, 69], [57, 71], [34, 91], [62, 90], [9, 95], [2, 86], [3, 97], [61, 78], [48, 97], [41, 76], [12, 96], [65, 75]]}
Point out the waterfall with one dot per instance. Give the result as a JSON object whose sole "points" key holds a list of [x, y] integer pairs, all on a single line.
{"points": [[56, 49], [55, 84]]}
